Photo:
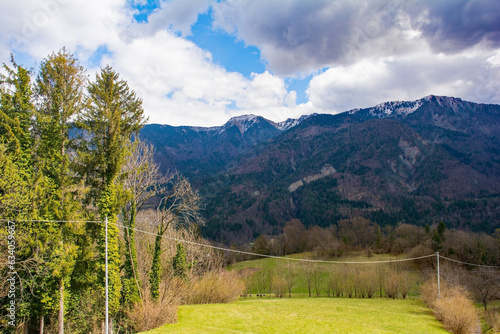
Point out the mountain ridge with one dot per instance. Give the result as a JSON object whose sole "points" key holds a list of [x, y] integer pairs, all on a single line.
{"points": [[436, 158]]}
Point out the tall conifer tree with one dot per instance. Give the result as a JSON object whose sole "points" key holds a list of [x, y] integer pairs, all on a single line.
{"points": [[59, 89], [112, 115]]}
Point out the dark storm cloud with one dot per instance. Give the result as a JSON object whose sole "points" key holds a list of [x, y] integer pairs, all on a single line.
{"points": [[303, 36], [452, 25]]}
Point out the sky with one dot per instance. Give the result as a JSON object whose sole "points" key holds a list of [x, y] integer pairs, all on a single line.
{"points": [[201, 62]]}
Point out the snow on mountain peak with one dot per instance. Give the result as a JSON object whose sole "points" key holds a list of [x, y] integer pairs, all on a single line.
{"points": [[396, 107], [243, 122], [242, 118], [291, 122], [445, 101]]}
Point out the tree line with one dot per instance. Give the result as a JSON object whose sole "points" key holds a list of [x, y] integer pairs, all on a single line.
{"points": [[361, 234], [68, 162]]}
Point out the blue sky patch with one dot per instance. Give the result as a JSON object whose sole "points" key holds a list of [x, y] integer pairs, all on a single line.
{"points": [[226, 50], [144, 9], [96, 58]]}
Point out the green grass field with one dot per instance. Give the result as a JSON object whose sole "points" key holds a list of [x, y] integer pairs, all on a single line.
{"points": [[306, 315]]}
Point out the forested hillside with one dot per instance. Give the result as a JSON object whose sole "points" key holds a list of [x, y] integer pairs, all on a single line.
{"points": [[416, 162]]}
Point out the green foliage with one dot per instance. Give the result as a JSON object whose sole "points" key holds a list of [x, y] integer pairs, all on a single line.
{"points": [[155, 273], [131, 284], [179, 264], [45, 174], [261, 245], [16, 110], [438, 236], [107, 209], [15, 190], [113, 113]]}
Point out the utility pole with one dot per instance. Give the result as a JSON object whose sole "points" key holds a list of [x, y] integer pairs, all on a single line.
{"points": [[106, 274], [439, 286]]}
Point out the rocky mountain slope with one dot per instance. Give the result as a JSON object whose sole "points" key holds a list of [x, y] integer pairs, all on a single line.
{"points": [[418, 162], [198, 152]]}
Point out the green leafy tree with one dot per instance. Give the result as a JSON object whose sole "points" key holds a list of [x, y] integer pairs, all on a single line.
{"points": [[59, 90], [112, 115], [16, 109], [20, 188], [16, 113]]}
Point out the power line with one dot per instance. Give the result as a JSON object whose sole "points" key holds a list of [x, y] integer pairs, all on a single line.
{"points": [[251, 253], [274, 256], [469, 264], [51, 221]]}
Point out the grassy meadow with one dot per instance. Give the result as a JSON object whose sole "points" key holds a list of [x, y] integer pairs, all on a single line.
{"points": [[261, 272], [306, 315], [302, 314]]}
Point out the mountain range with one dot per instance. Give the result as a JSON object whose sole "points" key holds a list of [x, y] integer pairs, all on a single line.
{"points": [[419, 162]]}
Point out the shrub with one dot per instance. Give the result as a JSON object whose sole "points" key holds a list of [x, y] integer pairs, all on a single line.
{"points": [[454, 308], [493, 320], [348, 285], [148, 314], [215, 287], [428, 292], [279, 286], [458, 314], [405, 284], [334, 284], [368, 283], [391, 285]]}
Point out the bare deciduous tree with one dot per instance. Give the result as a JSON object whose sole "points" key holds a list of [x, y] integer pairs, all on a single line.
{"points": [[485, 284], [180, 206], [141, 181]]}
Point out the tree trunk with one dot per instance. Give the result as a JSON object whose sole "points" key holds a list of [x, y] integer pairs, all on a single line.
{"points": [[41, 324], [60, 318]]}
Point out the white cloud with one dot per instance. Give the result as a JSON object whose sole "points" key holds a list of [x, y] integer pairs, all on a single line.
{"points": [[179, 15], [372, 81], [303, 36], [178, 81], [370, 52], [39, 27], [181, 85]]}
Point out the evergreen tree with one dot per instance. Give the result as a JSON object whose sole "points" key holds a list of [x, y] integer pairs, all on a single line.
{"points": [[17, 190], [59, 89], [155, 273], [438, 236], [112, 114], [16, 111]]}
